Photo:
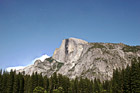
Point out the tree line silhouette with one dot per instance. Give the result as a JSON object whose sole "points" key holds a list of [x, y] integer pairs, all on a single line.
{"points": [[123, 81]]}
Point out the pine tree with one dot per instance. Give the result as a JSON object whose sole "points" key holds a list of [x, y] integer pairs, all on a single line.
{"points": [[0, 80], [21, 83], [55, 79], [16, 84], [10, 82], [51, 84], [66, 84], [121, 81], [116, 82], [46, 83], [81, 85], [31, 84], [127, 80], [97, 86], [138, 80], [75, 86], [60, 80], [4, 81], [40, 80], [91, 87], [35, 80], [26, 83], [135, 78]]}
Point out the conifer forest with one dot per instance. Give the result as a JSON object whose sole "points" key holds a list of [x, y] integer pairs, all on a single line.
{"points": [[123, 81]]}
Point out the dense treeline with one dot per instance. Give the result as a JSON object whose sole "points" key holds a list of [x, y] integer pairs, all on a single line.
{"points": [[123, 81]]}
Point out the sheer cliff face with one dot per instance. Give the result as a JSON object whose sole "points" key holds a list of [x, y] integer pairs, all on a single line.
{"points": [[70, 50], [79, 58]]}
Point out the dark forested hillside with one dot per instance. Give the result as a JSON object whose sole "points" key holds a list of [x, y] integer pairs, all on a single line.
{"points": [[123, 81]]}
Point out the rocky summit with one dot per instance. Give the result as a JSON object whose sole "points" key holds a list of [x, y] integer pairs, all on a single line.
{"points": [[78, 58]]}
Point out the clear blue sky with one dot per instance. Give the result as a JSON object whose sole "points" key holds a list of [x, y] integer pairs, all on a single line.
{"points": [[30, 28]]}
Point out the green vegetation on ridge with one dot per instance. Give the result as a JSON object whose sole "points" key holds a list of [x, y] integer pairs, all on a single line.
{"points": [[131, 48]]}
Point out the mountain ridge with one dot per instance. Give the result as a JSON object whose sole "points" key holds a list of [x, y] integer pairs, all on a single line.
{"points": [[79, 58]]}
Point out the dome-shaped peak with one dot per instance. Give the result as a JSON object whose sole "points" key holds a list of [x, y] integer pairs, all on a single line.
{"points": [[77, 40]]}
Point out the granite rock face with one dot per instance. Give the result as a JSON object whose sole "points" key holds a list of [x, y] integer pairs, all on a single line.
{"points": [[70, 50], [79, 58]]}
